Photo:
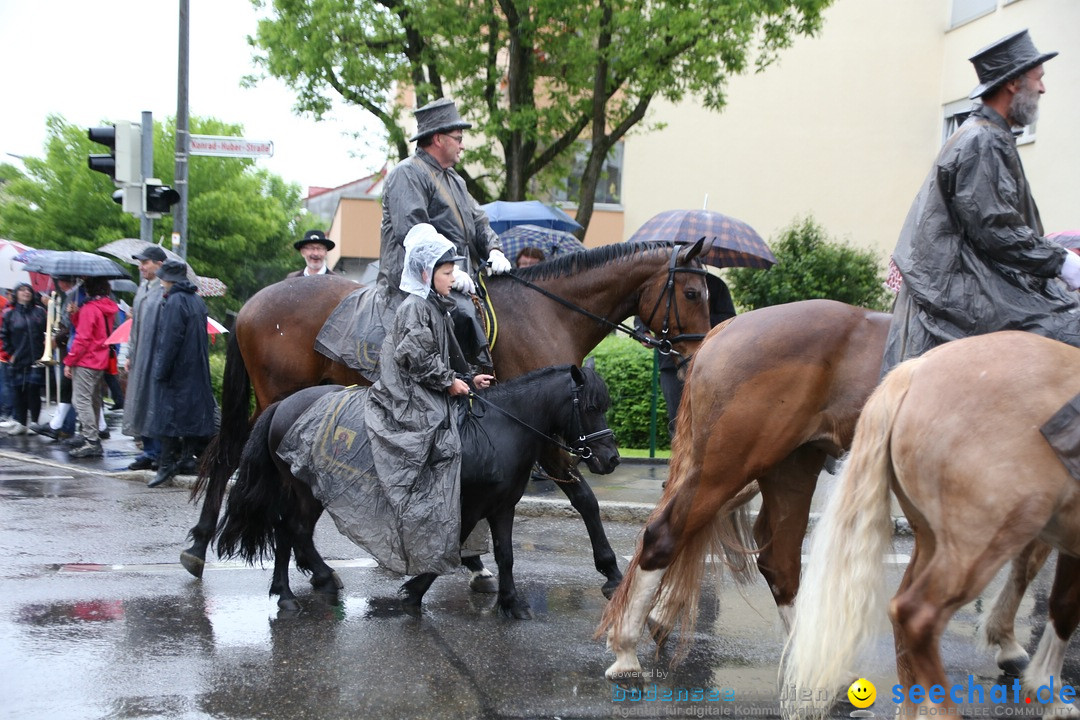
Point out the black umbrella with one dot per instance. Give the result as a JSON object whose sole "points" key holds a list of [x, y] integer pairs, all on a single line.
{"points": [[75, 263]]}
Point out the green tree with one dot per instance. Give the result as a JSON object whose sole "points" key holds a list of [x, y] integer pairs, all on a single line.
{"points": [[538, 77], [241, 220], [810, 265]]}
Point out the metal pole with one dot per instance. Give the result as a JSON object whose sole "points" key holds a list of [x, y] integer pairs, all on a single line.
{"points": [[182, 137], [146, 225], [653, 403]]}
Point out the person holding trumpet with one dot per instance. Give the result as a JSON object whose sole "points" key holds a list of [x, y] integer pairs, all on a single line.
{"points": [[22, 332]]}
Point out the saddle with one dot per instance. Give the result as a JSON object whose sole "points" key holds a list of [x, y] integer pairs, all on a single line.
{"points": [[1062, 431]]}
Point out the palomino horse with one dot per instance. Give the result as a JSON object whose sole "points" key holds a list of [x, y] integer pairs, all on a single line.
{"points": [[275, 332], [955, 435], [770, 394], [270, 510]]}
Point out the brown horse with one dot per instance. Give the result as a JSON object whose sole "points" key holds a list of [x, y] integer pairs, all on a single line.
{"points": [[272, 348], [955, 435], [769, 396]]}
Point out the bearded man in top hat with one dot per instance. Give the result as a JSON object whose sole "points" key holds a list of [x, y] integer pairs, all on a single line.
{"points": [[972, 252], [313, 248], [426, 189]]}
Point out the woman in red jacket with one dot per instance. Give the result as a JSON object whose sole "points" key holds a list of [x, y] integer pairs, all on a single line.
{"points": [[87, 360]]}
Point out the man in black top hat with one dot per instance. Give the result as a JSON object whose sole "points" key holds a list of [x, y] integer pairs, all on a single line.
{"points": [[426, 189], [313, 247], [972, 252]]}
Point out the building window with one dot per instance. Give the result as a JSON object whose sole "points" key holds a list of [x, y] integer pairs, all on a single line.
{"points": [[966, 10], [608, 187]]}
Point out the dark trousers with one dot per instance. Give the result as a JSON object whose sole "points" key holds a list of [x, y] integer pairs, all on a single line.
{"points": [[26, 402]]}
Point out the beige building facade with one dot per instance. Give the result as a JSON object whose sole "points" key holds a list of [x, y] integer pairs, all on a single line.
{"points": [[846, 125]]}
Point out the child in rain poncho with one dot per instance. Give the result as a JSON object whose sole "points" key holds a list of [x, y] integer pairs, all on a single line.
{"points": [[413, 435]]}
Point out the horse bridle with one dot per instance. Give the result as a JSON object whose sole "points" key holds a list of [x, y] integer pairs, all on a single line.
{"points": [[581, 447], [663, 344]]}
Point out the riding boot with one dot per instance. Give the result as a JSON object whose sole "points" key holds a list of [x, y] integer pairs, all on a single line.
{"points": [[168, 463]]}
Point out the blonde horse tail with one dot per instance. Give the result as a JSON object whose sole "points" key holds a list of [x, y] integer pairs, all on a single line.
{"points": [[841, 598]]}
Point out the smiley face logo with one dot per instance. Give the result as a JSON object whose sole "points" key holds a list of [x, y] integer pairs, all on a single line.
{"points": [[862, 693]]}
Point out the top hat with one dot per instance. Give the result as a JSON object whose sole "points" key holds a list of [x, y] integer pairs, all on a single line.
{"points": [[151, 252], [172, 271], [1001, 61], [438, 116], [314, 236]]}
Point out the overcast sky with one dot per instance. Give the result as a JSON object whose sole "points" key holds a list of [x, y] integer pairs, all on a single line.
{"points": [[113, 59]]}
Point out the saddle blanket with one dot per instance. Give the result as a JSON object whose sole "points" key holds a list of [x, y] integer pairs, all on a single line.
{"points": [[1062, 431]]}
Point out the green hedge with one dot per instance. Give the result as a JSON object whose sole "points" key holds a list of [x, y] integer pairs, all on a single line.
{"points": [[627, 368]]}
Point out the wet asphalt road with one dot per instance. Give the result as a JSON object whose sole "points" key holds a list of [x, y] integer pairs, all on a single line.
{"points": [[98, 620]]}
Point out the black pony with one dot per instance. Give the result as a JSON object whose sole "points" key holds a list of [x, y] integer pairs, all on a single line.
{"points": [[271, 511]]}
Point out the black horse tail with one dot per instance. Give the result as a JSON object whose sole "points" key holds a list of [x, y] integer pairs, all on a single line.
{"points": [[256, 500], [222, 455]]}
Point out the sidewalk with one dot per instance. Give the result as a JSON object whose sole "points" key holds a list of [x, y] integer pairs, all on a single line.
{"points": [[627, 495]]}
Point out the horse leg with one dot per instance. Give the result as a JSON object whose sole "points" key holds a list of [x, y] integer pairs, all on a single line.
{"points": [[1046, 665], [999, 628], [194, 558], [939, 580], [786, 492], [412, 592], [623, 637], [279, 585], [323, 577], [584, 501], [502, 535]]}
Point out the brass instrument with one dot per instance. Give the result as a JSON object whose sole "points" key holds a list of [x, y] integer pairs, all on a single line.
{"points": [[52, 313]]}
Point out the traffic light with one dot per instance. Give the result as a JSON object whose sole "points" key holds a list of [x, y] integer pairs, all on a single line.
{"points": [[123, 163], [157, 198]]}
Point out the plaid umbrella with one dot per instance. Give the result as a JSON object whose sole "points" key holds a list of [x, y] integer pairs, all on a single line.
{"points": [[734, 243], [504, 215], [70, 262], [553, 242]]}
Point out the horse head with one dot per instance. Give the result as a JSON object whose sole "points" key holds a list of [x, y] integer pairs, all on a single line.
{"points": [[674, 304], [589, 433]]}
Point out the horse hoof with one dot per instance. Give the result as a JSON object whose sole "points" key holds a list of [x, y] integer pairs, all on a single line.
{"points": [[484, 583], [328, 584], [625, 675], [288, 604], [1015, 665], [410, 601], [610, 587], [517, 610], [192, 563]]}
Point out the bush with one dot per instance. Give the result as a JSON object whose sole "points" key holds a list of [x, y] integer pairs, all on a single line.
{"points": [[217, 365], [809, 265], [627, 369]]}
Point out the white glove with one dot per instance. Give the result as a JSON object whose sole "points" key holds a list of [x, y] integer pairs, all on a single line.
{"points": [[1070, 271], [462, 282], [497, 263]]}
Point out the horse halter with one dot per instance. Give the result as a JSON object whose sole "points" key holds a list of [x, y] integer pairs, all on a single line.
{"points": [[663, 344], [581, 447]]}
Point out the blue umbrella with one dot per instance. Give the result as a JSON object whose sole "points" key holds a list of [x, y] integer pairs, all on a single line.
{"points": [[504, 215], [552, 242]]}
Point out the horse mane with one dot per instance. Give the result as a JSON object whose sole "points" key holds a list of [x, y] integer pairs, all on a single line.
{"points": [[594, 394], [577, 262]]}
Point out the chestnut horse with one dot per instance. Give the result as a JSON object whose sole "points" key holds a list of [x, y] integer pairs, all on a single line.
{"points": [[770, 394], [955, 435], [272, 349]]}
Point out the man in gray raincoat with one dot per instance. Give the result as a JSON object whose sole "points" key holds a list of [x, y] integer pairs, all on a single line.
{"points": [[972, 252], [426, 189], [144, 317]]}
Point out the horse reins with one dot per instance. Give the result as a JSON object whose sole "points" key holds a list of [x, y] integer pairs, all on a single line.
{"points": [[663, 344], [581, 450]]}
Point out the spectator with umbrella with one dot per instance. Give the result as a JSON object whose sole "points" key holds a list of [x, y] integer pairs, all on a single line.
{"points": [[87, 361], [23, 335]]}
